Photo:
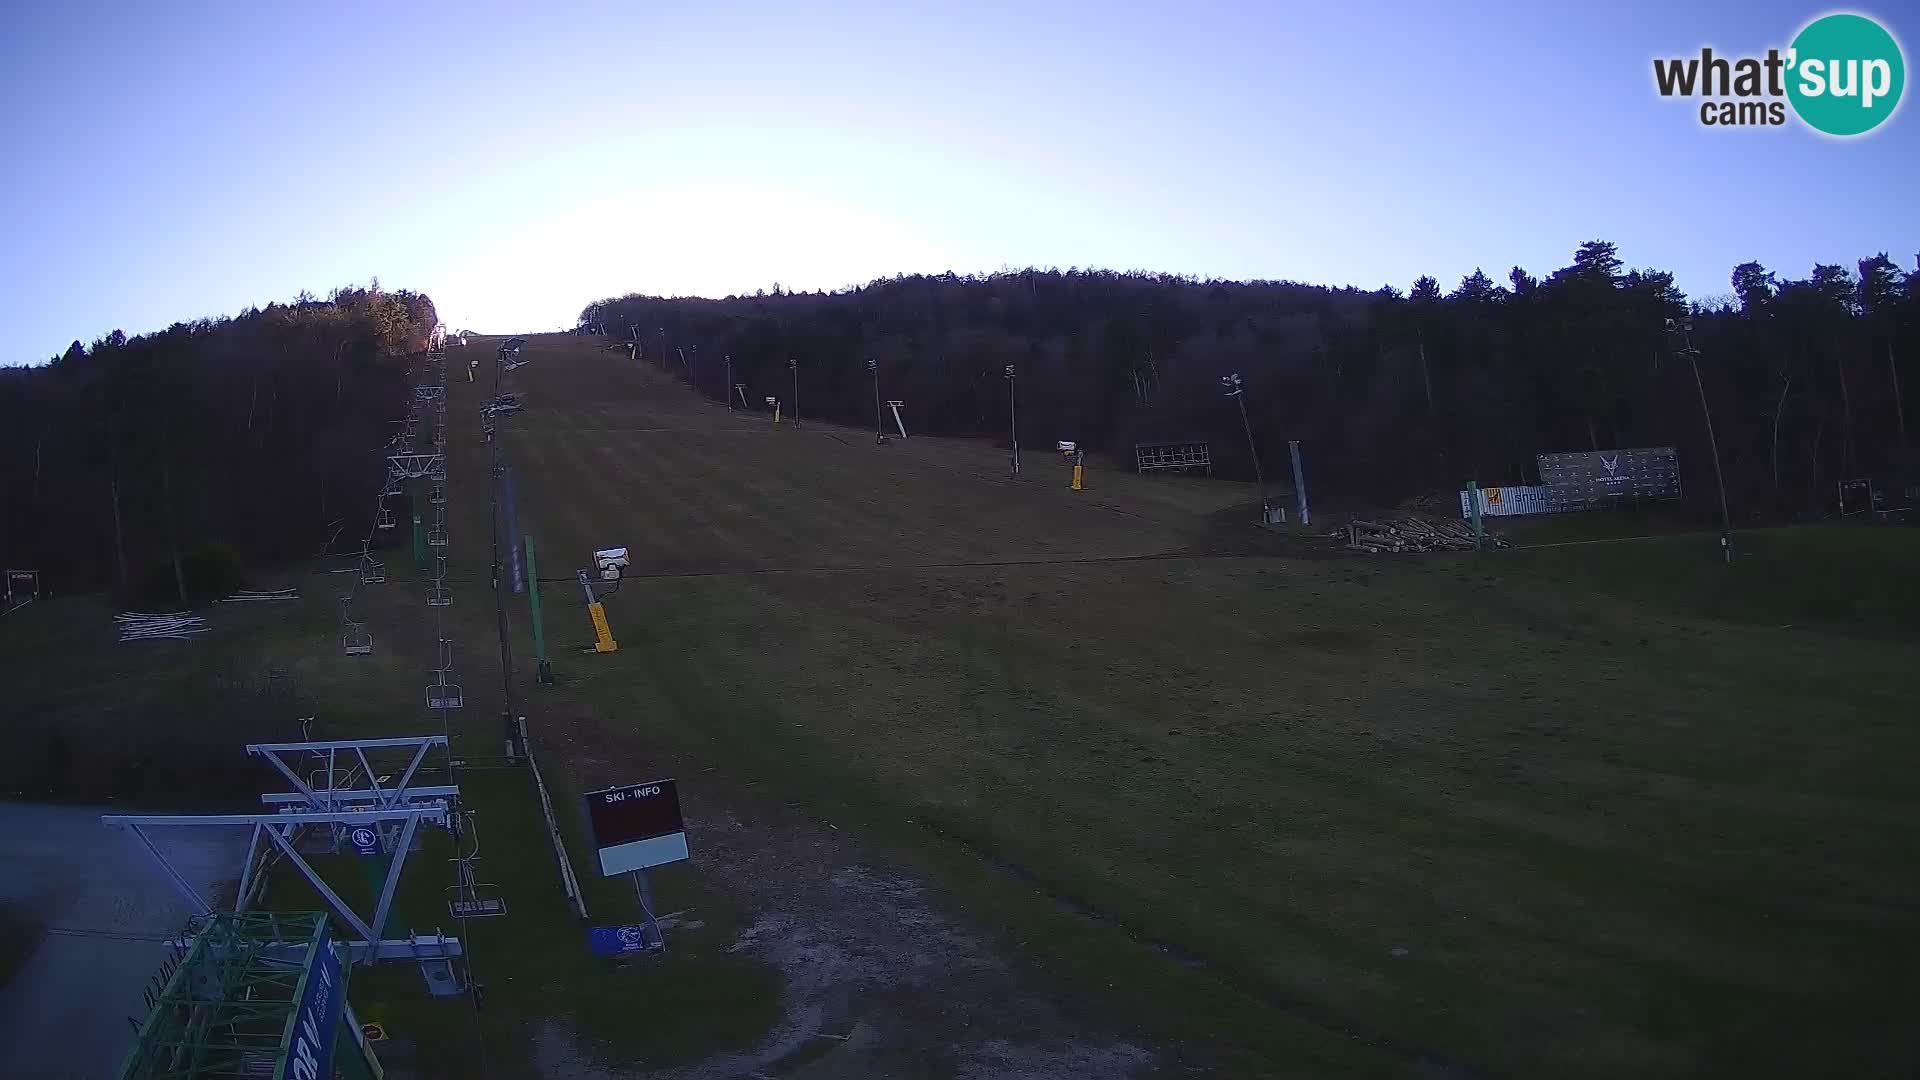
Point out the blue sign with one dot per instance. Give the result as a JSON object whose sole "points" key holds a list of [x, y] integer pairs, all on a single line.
{"points": [[365, 840], [310, 1054], [614, 940]]}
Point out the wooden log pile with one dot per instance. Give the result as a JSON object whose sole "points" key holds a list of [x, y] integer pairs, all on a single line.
{"points": [[1411, 534], [153, 626], [254, 595]]}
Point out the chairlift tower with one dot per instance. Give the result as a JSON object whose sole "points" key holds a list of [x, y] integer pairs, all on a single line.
{"points": [[343, 800], [250, 995], [898, 424]]}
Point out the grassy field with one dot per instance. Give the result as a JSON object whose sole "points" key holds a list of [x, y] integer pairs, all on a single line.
{"points": [[1584, 810]]}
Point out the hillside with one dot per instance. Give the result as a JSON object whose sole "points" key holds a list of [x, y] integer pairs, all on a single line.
{"points": [[1390, 393]]}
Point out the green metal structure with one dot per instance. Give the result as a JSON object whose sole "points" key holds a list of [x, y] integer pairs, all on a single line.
{"points": [[227, 1006]]}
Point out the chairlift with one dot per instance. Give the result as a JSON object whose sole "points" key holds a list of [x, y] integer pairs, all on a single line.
{"points": [[438, 595], [443, 656], [440, 566], [470, 898], [383, 518], [438, 497], [437, 536], [443, 694], [372, 570], [354, 638]]}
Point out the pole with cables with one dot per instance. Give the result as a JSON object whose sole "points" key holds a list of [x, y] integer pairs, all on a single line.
{"points": [[1231, 384], [1685, 329], [1013, 429]]}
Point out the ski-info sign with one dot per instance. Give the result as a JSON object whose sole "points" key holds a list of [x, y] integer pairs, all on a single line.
{"points": [[636, 826]]}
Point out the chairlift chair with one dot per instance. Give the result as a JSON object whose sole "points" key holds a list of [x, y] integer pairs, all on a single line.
{"points": [[470, 898], [372, 570], [383, 518], [443, 694], [354, 638], [438, 497], [438, 595]]}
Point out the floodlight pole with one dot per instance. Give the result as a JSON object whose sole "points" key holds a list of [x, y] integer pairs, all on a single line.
{"points": [[1013, 429], [879, 432], [663, 348], [793, 365], [726, 388], [1693, 360], [1231, 383]]}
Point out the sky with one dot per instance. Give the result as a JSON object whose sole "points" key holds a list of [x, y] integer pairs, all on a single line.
{"points": [[516, 162]]}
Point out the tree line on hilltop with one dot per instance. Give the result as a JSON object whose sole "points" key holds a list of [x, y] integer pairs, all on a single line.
{"points": [[154, 465], [1390, 393]]}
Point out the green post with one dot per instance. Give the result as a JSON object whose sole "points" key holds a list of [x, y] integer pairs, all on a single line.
{"points": [[1473, 507], [544, 674], [419, 544]]}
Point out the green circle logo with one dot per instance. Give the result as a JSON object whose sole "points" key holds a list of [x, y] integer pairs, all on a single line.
{"points": [[1845, 74]]}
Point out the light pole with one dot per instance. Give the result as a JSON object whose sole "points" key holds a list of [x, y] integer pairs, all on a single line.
{"points": [[1684, 327], [794, 366], [879, 434], [726, 388], [663, 348], [1230, 383], [1013, 429]]}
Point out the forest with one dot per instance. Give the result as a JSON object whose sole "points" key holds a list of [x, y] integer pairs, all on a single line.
{"points": [[1391, 393], [157, 467]]}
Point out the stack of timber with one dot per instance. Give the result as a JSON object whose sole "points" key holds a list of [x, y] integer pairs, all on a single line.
{"points": [[1412, 534]]}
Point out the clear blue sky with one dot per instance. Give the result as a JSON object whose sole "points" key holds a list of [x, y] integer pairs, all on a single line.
{"points": [[171, 161]]}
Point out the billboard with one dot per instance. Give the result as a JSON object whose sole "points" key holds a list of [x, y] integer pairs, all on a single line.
{"points": [[636, 826], [1595, 479], [310, 1055], [1510, 501]]}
